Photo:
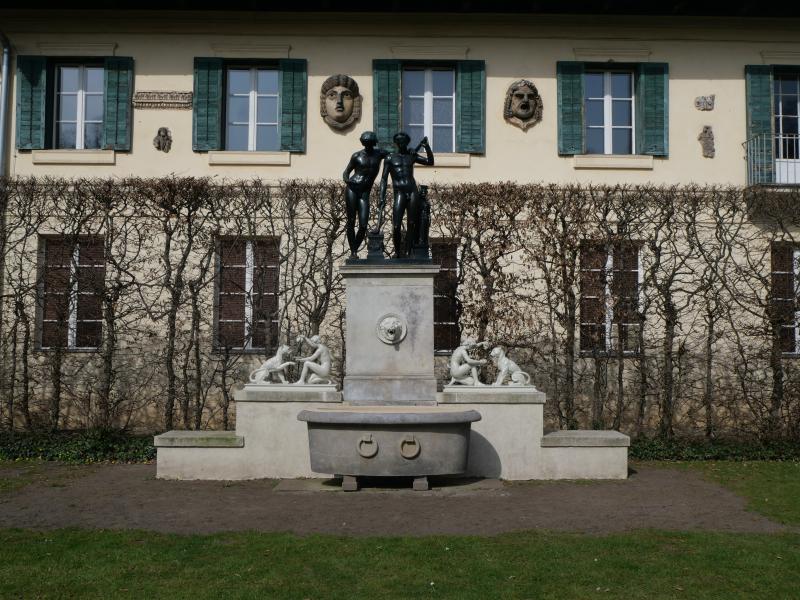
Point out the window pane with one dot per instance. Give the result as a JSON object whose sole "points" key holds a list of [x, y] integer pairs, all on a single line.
{"points": [[621, 85], [238, 81], [94, 79], [594, 141], [69, 79], [94, 108], [237, 137], [789, 125], [66, 135], [92, 135], [443, 82], [267, 81], [415, 133], [238, 109], [789, 85], [594, 85], [413, 83], [594, 112], [621, 141], [621, 112], [413, 111], [789, 105], [267, 138], [442, 139], [267, 110], [68, 107], [442, 111]]}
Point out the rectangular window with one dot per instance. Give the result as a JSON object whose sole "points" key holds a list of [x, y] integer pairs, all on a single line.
{"points": [[429, 99], [252, 109], [73, 276], [79, 106], [609, 109], [785, 278], [247, 294], [445, 286], [786, 97], [609, 280]]}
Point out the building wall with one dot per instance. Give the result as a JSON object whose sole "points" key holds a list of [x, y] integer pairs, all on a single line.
{"points": [[705, 56]]}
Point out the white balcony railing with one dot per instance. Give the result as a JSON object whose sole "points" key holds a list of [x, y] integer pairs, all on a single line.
{"points": [[773, 159]]}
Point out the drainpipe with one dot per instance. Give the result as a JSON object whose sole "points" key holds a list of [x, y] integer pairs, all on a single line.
{"points": [[6, 83]]}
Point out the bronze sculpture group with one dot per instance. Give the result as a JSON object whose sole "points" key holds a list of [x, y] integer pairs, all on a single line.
{"points": [[409, 200]]}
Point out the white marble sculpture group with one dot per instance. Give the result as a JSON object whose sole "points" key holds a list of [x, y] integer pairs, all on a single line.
{"points": [[465, 370], [316, 367]]}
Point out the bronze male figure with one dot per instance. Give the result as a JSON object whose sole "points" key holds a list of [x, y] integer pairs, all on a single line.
{"points": [[407, 199], [359, 175]]}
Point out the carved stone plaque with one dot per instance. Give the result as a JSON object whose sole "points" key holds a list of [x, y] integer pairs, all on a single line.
{"points": [[163, 100], [704, 102]]}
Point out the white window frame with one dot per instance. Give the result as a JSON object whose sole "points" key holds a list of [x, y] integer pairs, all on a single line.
{"points": [[779, 117], [608, 114], [457, 270], [80, 120], [610, 341], [72, 303], [252, 116], [427, 103], [249, 289], [796, 278]]}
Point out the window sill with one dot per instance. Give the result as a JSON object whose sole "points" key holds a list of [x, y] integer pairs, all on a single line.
{"points": [[450, 159], [224, 157], [74, 157], [612, 161]]}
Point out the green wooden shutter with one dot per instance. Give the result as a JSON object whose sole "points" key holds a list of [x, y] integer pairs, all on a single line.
{"points": [[293, 104], [31, 102], [470, 106], [386, 100], [570, 107], [207, 105], [652, 109], [760, 150], [118, 75]]}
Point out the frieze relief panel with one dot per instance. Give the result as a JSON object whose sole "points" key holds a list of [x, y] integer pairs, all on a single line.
{"points": [[163, 99]]}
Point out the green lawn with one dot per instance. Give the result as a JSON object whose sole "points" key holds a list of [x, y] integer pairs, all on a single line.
{"points": [[772, 488], [643, 564], [97, 564]]}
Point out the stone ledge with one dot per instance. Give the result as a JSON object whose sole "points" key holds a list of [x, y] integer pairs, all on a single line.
{"points": [[275, 392], [227, 157], [490, 394], [586, 438], [449, 159], [73, 157], [198, 439], [612, 161]]}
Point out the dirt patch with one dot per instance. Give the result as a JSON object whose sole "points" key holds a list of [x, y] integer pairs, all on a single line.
{"points": [[130, 497]]}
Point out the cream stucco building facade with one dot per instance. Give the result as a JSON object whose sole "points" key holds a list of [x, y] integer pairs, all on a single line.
{"points": [[705, 56]]}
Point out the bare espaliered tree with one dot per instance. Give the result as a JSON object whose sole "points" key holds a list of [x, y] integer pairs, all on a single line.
{"points": [[651, 309]]}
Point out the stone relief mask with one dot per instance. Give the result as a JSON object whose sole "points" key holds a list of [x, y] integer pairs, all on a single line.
{"points": [[523, 106], [163, 140], [340, 101], [391, 329]]}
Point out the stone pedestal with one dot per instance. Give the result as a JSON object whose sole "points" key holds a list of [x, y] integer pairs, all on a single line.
{"points": [[377, 371]]}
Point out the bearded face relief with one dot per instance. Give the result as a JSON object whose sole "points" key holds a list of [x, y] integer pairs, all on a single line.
{"points": [[523, 106], [340, 101]]}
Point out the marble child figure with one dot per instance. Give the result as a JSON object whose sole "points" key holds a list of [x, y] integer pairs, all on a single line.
{"points": [[464, 370], [407, 199], [359, 175], [317, 367]]}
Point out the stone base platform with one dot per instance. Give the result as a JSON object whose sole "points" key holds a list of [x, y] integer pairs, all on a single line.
{"points": [[507, 443]]}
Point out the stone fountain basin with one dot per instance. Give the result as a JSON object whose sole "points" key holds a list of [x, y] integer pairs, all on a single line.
{"points": [[389, 441]]}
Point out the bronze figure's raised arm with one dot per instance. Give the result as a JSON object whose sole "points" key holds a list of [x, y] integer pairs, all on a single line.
{"points": [[407, 199], [359, 175]]}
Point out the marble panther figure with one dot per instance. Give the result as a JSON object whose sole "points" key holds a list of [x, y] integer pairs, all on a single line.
{"points": [[508, 368], [272, 366]]}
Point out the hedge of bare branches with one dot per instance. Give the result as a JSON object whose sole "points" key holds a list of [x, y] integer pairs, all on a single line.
{"points": [[707, 356]]}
